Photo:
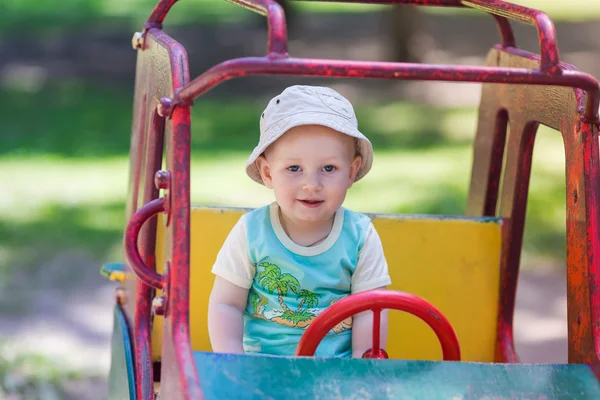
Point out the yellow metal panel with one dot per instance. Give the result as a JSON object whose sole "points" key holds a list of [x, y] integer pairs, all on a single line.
{"points": [[451, 262]]}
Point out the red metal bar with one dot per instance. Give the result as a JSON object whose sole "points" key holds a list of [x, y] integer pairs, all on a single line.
{"points": [[376, 329], [506, 32], [277, 34], [495, 171], [380, 299], [517, 174], [132, 253], [543, 23], [159, 13], [386, 70], [181, 372]]}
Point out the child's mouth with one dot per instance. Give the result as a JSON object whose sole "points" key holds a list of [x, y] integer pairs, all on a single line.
{"points": [[311, 203]]}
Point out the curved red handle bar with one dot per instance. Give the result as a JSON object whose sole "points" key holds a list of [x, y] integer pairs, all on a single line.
{"points": [[277, 33], [132, 253], [277, 39], [544, 25], [380, 299]]}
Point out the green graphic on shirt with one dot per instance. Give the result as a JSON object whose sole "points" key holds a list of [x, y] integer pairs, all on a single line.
{"points": [[272, 280], [258, 305], [309, 298]]}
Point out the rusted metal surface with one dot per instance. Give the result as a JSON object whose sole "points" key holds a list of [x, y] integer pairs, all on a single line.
{"points": [[178, 376], [165, 70], [526, 107], [161, 68], [377, 300]]}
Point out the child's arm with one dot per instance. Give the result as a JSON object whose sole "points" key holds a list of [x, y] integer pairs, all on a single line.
{"points": [[371, 273], [362, 332], [228, 298], [226, 316]]}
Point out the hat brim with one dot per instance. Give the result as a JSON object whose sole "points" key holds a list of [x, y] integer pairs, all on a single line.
{"points": [[335, 122]]}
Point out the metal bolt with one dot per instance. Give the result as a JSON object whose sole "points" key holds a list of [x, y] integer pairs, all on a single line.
{"points": [[165, 107], [162, 179], [158, 305], [137, 41]]}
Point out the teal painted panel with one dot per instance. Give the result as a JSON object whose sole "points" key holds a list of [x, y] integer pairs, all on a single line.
{"points": [[121, 380], [225, 376]]}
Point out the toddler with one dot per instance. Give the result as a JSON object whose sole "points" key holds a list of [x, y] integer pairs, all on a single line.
{"points": [[284, 263]]}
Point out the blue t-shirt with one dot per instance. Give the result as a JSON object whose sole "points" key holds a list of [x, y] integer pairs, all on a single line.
{"points": [[291, 284]]}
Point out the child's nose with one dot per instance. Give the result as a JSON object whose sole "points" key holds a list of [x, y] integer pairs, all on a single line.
{"points": [[313, 183]]}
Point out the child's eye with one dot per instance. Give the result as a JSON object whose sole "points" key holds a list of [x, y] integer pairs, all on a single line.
{"points": [[329, 168], [294, 168]]}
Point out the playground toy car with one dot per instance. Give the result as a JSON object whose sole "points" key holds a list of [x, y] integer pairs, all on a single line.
{"points": [[160, 343]]}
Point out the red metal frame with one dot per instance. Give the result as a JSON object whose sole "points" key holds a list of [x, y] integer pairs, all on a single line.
{"points": [[277, 61], [377, 300], [578, 125], [161, 69], [525, 107]]}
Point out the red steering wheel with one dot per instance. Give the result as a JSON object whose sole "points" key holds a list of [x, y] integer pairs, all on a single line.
{"points": [[377, 300]]}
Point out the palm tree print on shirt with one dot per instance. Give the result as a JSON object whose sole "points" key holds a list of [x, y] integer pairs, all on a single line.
{"points": [[309, 298], [273, 280]]}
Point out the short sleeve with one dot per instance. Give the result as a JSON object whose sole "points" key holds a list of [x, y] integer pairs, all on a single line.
{"points": [[233, 263], [372, 269]]}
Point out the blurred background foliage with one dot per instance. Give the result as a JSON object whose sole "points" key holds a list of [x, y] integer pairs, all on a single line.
{"points": [[66, 84]]}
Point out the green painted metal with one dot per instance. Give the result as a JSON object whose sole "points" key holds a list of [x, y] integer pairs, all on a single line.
{"points": [[121, 377], [225, 376]]}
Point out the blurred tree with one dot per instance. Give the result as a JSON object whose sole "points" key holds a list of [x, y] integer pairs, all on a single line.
{"points": [[403, 23]]}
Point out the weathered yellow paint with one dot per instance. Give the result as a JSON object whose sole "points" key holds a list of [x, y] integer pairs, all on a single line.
{"points": [[453, 262]]}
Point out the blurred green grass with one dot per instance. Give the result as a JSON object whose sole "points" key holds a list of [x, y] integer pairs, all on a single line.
{"points": [[32, 376], [40, 16], [65, 148]]}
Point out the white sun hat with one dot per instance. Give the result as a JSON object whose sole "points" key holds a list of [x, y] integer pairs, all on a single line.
{"points": [[309, 105]]}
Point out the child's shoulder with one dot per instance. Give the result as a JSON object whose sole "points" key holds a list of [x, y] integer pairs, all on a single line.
{"points": [[357, 218], [356, 226], [258, 215]]}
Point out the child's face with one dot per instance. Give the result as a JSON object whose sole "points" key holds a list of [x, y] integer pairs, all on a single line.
{"points": [[310, 168]]}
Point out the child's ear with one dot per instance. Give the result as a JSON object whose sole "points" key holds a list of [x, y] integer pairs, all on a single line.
{"points": [[354, 167], [265, 171]]}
